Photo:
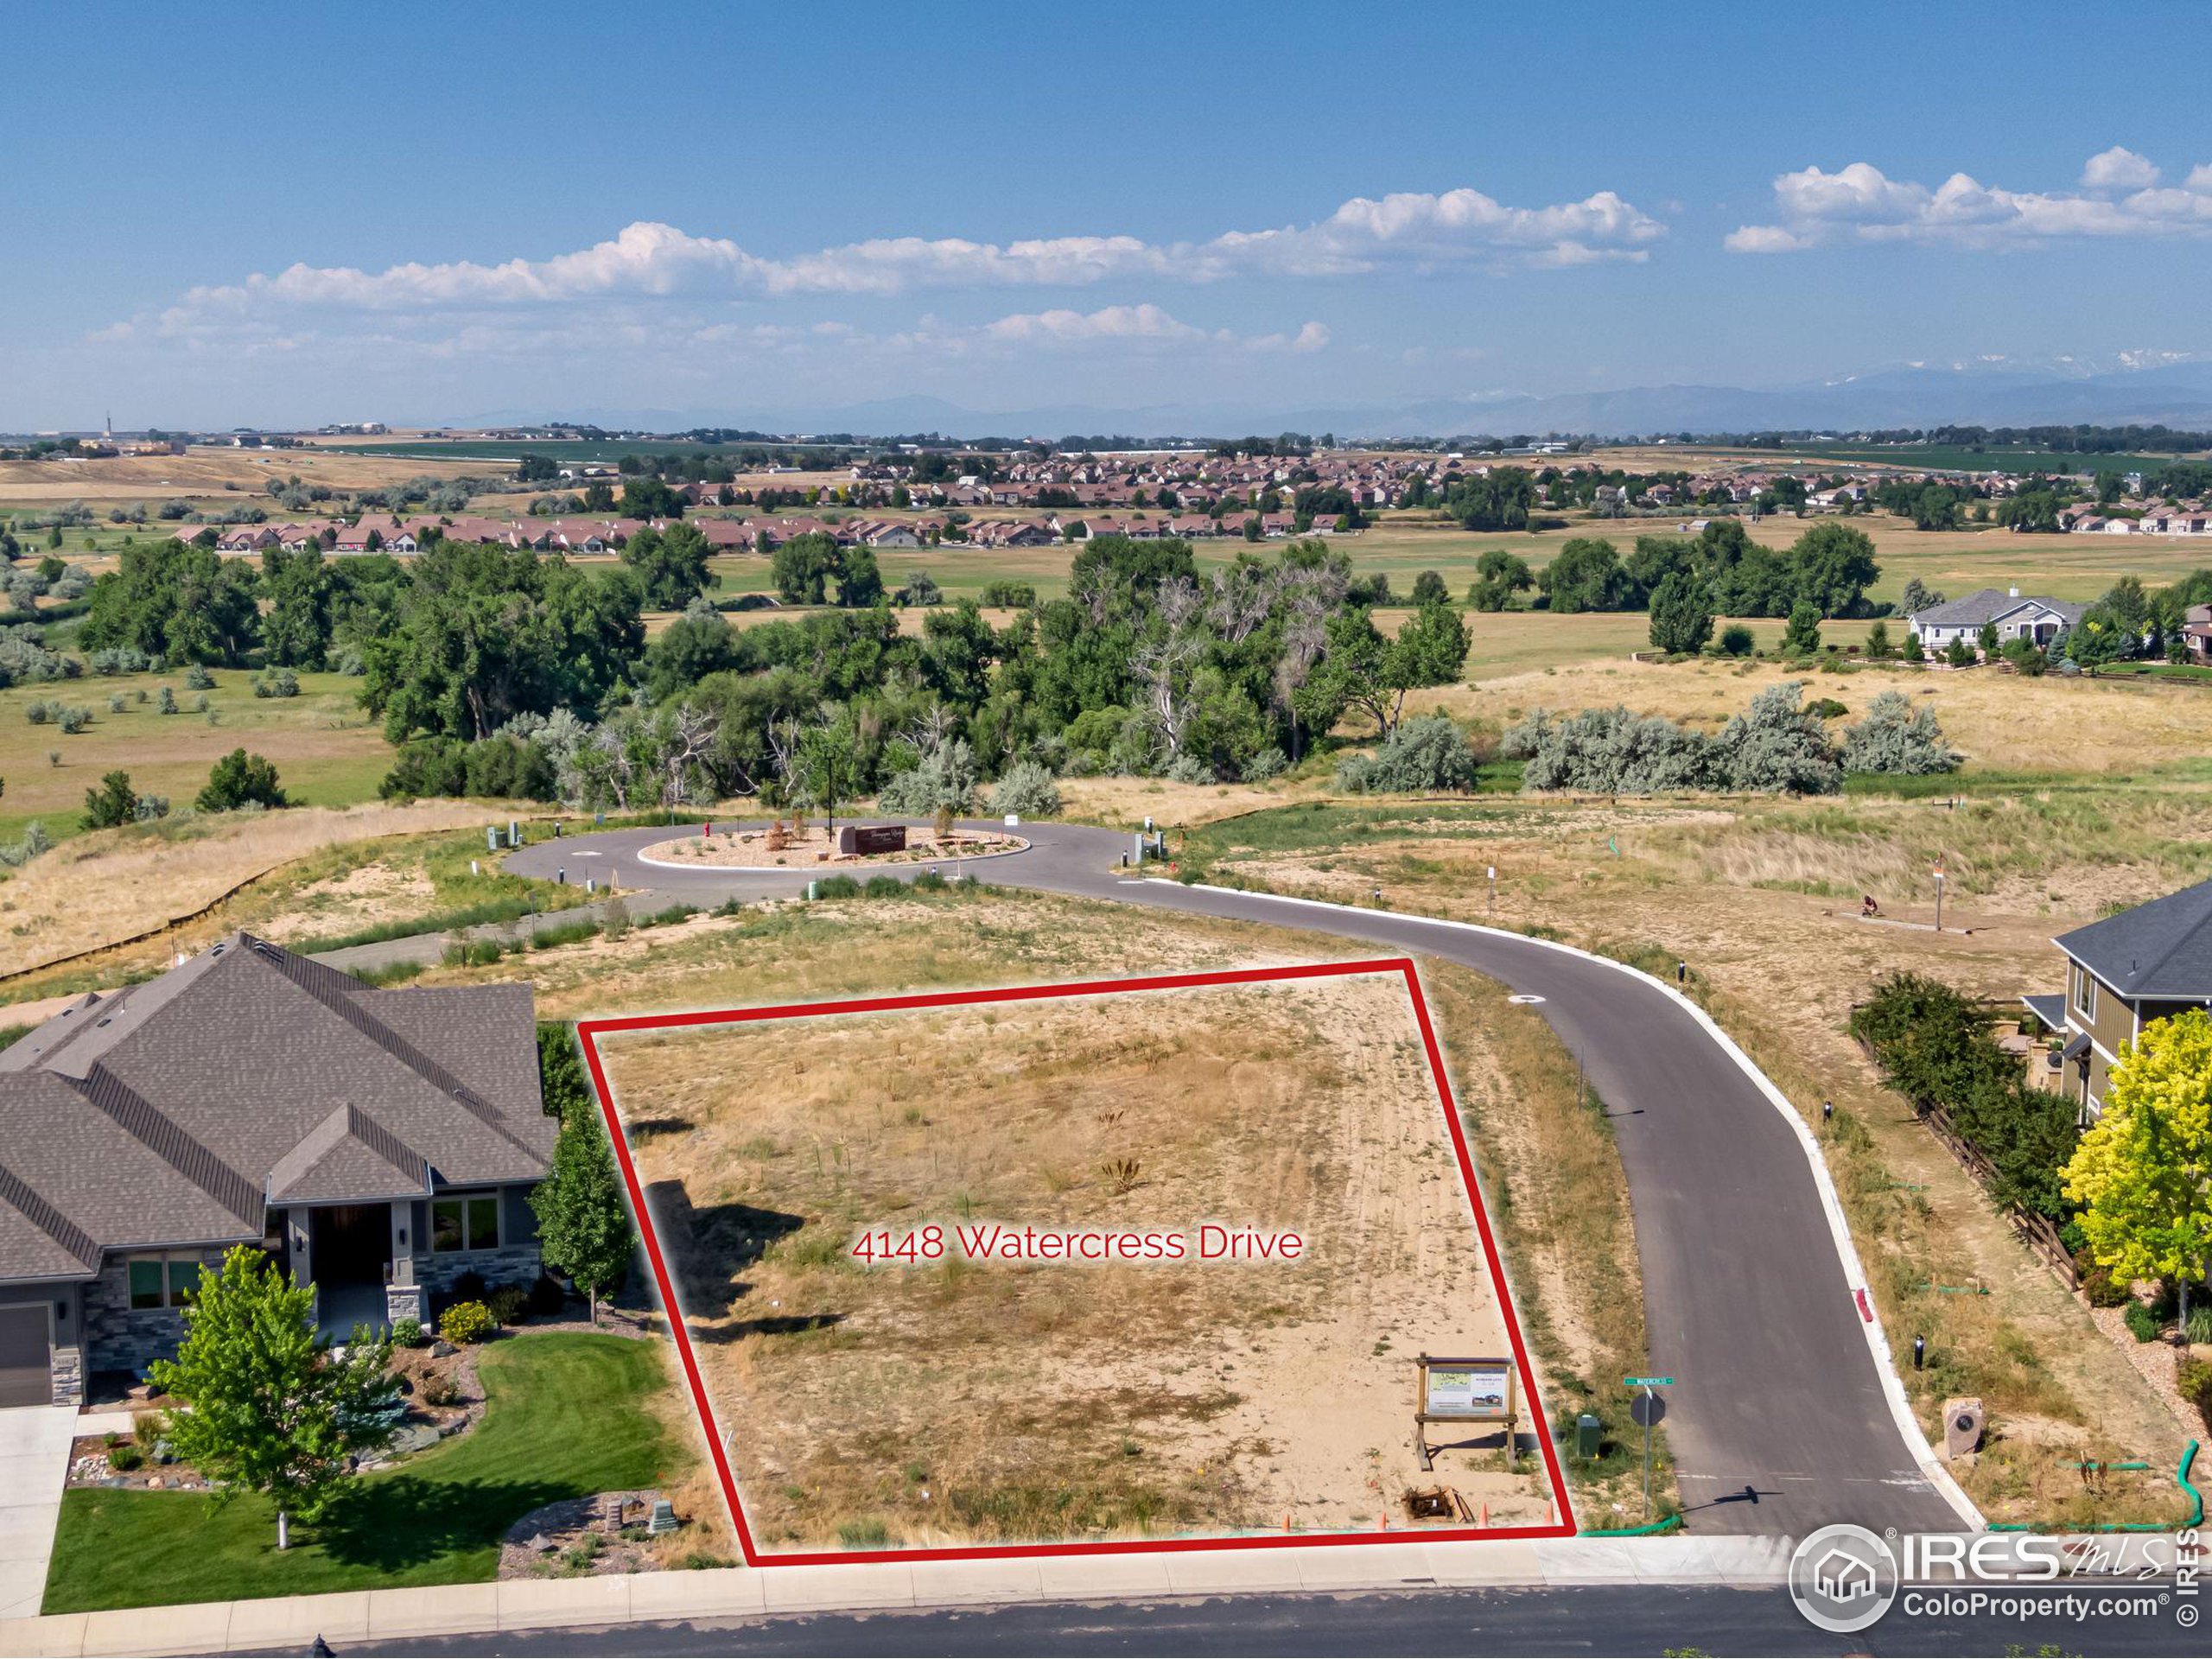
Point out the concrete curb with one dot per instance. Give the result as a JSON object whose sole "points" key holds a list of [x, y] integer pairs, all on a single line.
{"points": [[1854, 1273], [757, 1592]]}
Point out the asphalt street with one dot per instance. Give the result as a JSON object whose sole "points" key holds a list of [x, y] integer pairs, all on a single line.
{"points": [[1778, 1420], [1592, 1618]]}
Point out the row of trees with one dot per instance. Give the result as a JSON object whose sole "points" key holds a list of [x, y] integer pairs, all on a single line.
{"points": [[1776, 745], [500, 671], [1829, 567]]}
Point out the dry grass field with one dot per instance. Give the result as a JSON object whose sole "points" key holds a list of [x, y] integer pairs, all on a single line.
{"points": [[1760, 898], [2000, 722], [970, 1401], [205, 473], [114, 884]]}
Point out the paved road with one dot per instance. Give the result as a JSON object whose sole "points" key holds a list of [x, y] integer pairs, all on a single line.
{"points": [[1779, 1423], [1590, 1619]]}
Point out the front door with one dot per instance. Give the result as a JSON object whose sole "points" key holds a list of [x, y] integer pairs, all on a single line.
{"points": [[352, 1243]]}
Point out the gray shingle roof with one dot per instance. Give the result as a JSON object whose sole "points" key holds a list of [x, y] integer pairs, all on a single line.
{"points": [[2162, 948], [1991, 604], [171, 1113]]}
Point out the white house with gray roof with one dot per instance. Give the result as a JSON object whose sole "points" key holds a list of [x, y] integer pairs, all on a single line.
{"points": [[379, 1144], [2017, 616], [2143, 964]]}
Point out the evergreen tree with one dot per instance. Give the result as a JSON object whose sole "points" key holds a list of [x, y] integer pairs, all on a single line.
{"points": [[583, 1226], [1682, 617]]}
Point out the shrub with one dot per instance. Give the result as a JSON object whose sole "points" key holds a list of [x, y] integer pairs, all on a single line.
{"points": [[112, 802], [1899, 739], [469, 1286], [1027, 788], [1188, 768], [1935, 1049], [41, 714], [466, 1322], [197, 678], [166, 703], [838, 887], [125, 1458], [942, 781], [1826, 709], [240, 779], [884, 886], [73, 720], [2142, 1323], [1736, 640], [509, 1303], [1259, 767], [2102, 1290], [1419, 757], [547, 1297], [151, 807], [2193, 1381], [2197, 1327], [440, 1391], [407, 1333], [277, 683], [17, 854]]}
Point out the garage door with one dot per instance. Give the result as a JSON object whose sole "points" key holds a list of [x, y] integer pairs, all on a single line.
{"points": [[26, 1375]]}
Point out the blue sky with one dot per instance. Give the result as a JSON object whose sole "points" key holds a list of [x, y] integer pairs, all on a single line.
{"points": [[231, 215]]}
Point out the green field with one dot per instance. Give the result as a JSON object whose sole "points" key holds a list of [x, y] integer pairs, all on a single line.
{"points": [[326, 751], [1963, 458]]}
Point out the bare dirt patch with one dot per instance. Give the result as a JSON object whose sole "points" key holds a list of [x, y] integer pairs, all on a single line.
{"points": [[968, 1402]]}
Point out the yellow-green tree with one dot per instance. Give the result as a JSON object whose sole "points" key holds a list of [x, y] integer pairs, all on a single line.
{"points": [[2140, 1172]]}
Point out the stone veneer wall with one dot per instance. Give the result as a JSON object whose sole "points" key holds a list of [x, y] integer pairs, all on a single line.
{"points": [[515, 1264], [121, 1337]]}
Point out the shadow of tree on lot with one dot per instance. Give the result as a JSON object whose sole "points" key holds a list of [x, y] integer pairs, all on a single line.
{"points": [[709, 1246]]}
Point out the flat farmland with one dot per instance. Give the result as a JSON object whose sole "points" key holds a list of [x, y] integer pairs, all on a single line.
{"points": [[207, 476], [968, 1398]]}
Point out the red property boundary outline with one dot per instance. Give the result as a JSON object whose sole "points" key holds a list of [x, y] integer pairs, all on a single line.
{"points": [[590, 1031]]}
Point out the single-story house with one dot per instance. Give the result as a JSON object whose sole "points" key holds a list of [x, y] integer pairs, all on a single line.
{"points": [[2122, 973], [2016, 617], [378, 1144]]}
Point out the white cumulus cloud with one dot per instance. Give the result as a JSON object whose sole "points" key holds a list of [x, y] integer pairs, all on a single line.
{"points": [[2119, 197], [647, 260]]}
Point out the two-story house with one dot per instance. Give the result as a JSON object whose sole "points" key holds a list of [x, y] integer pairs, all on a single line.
{"points": [[2121, 973], [378, 1144]]}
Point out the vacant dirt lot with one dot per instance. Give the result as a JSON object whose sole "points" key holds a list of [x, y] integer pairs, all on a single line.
{"points": [[992, 1401]]}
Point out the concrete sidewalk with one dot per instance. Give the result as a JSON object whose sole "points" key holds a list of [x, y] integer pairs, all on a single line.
{"points": [[752, 1592], [34, 1468]]}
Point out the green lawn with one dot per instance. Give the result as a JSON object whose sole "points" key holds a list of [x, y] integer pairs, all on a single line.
{"points": [[568, 1415]]}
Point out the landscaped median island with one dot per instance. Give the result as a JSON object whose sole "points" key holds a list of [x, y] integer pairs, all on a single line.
{"points": [[566, 1416], [844, 849]]}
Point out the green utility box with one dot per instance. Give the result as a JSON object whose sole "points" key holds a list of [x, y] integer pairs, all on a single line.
{"points": [[1589, 1435]]}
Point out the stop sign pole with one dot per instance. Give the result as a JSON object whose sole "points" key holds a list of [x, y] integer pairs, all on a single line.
{"points": [[1647, 1409]]}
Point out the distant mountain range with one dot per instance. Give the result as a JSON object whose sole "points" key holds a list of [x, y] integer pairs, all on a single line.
{"points": [[2166, 389]]}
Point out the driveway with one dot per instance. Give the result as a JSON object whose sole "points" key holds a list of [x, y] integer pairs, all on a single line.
{"points": [[34, 1466]]}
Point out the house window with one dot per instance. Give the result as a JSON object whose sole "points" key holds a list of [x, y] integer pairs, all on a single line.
{"points": [[162, 1280], [465, 1221], [2085, 994]]}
